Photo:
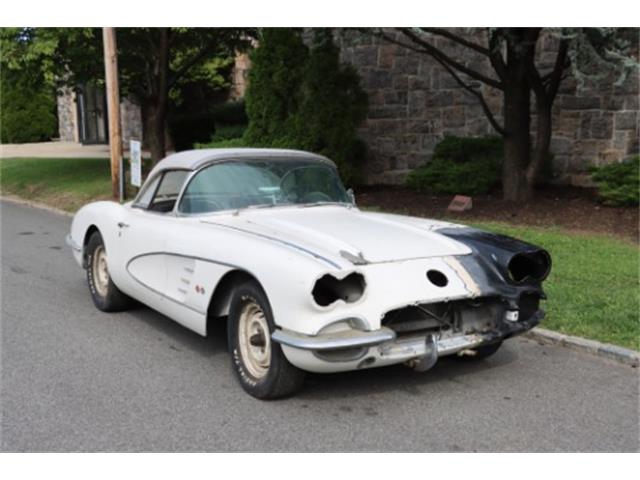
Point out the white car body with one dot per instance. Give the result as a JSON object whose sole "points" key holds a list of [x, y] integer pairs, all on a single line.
{"points": [[179, 265]]}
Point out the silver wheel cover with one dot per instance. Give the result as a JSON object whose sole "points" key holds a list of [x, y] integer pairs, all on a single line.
{"points": [[100, 271], [254, 340]]}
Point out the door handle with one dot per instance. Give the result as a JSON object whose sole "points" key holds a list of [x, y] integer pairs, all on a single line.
{"points": [[122, 225]]}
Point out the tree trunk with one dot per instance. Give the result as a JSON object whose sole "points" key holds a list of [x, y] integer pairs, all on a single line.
{"points": [[515, 187], [543, 141], [517, 110], [154, 130], [154, 107]]}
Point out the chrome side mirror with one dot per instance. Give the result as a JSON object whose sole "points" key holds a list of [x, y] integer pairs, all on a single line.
{"points": [[352, 196]]}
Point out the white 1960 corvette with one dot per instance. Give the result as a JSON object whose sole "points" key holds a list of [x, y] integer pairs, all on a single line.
{"points": [[270, 242]]}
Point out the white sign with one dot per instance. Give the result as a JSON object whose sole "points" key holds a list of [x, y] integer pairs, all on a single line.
{"points": [[135, 157]]}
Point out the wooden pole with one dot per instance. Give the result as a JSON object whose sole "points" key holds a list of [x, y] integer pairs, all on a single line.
{"points": [[113, 107]]}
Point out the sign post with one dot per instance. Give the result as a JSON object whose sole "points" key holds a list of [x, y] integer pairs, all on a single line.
{"points": [[135, 158]]}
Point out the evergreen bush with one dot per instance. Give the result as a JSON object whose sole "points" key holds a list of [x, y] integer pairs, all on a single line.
{"points": [[460, 165], [304, 98], [618, 183], [27, 112]]}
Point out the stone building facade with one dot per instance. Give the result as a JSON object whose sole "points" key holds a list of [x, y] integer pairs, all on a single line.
{"points": [[414, 103], [82, 117]]}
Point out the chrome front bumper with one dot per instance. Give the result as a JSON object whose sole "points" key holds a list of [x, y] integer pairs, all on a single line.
{"points": [[353, 350], [333, 341], [385, 338], [356, 349]]}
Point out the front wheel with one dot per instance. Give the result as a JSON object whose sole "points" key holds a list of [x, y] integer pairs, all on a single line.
{"points": [[259, 364], [106, 296]]}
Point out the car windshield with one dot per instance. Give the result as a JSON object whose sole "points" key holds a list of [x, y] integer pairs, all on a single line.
{"points": [[262, 183]]}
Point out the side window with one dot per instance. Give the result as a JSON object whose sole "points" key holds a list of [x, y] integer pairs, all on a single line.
{"points": [[167, 192], [145, 197]]}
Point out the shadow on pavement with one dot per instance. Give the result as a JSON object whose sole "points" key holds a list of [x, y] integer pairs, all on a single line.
{"points": [[327, 386]]}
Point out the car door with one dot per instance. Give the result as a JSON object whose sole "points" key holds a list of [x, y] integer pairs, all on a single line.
{"points": [[142, 237]]}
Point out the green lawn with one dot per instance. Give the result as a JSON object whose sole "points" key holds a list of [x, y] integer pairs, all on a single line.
{"points": [[65, 183], [593, 288]]}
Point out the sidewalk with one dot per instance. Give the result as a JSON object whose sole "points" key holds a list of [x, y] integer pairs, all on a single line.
{"points": [[56, 150]]}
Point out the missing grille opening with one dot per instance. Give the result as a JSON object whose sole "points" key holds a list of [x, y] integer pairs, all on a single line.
{"points": [[328, 289]]}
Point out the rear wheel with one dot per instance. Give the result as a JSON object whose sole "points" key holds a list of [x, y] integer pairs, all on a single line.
{"points": [[259, 364], [106, 296]]}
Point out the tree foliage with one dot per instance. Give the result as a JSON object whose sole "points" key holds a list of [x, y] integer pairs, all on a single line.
{"points": [[153, 63], [301, 97], [273, 96], [27, 111]]}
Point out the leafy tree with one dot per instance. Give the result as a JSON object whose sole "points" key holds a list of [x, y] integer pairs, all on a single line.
{"points": [[273, 96], [151, 61], [333, 106], [27, 111], [511, 54], [302, 97]]}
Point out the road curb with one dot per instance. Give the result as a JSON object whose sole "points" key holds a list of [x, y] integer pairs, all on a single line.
{"points": [[606, 350], [29, 203]]}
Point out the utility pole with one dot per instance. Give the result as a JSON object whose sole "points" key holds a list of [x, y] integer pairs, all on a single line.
{"points": [[113, 108]]}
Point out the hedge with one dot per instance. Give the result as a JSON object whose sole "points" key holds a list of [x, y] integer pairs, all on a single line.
{"points": [[618, 183]]}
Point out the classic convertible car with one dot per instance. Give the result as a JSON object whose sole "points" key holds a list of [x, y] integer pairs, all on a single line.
{"points": [[270, 242]]}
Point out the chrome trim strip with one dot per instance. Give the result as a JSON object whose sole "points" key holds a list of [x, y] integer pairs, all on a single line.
{"points": [[70, 242], [332, 341], [163, 295]]}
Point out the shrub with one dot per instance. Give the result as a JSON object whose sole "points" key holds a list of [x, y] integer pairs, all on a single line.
{"points": [[275, 78], [229, 113], [189, 127], [27, 112], [465, 149], [468, 166], [618, 183], [332, 106], [226, 120], [305, 98], [225, 143]]}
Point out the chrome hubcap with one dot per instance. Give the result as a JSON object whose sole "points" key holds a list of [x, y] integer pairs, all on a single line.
{"points": [[254, 340], [100, 272]]}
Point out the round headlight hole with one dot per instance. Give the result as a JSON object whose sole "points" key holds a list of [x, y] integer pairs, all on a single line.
{"points": [[438, 278]]}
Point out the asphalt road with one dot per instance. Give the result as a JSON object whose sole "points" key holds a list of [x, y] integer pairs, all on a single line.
{"points": [[76, 379]]}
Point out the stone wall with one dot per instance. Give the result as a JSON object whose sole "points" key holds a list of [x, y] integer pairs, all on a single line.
{"points": [[131, 121], [414, 103], [68, 128], [239, 76], [67, 116]]}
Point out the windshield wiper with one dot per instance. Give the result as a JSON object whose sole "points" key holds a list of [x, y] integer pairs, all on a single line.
{"points": [[262, 206], [322, 204]]}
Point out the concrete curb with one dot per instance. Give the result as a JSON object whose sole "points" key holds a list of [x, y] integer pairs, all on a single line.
{"points": [[606, 350], [29, 203]]}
